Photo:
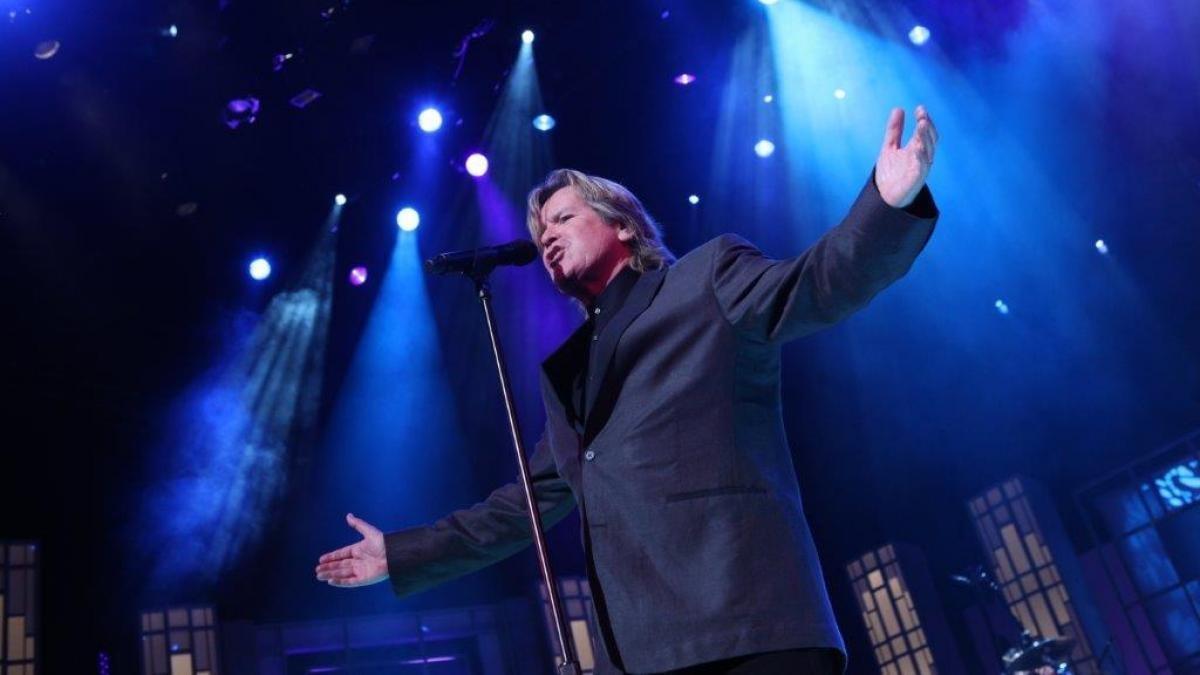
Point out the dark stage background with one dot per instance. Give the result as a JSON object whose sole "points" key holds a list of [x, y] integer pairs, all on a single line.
{"points": [[167, 437]]}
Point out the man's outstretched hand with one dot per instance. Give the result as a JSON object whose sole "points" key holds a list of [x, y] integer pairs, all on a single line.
{"points": [[357, 564], [900, 172]]}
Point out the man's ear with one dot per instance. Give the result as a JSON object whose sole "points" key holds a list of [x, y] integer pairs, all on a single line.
{"points": [[624, 233]]}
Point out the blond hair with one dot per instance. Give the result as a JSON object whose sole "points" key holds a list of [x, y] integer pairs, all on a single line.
{"points": [[615, 204]]}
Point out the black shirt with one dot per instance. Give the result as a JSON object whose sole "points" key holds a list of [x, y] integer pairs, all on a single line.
{"points": [[600, 312]]}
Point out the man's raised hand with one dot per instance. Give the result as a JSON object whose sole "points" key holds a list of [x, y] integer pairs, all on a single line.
{"points": [[900, 172], [357, 564]]}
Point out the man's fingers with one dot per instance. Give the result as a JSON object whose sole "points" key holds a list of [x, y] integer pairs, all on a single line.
{"points": [[341, 570], [324, 570], [895, 127], [923, 117], [326, 567], [341, 575], [927, 134], [340, 554]]}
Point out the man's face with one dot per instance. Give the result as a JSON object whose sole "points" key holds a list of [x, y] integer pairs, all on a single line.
{"points": [[579, 249]]}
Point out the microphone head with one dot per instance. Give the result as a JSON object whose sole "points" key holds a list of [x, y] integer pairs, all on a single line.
{"points": [[520, 252]]}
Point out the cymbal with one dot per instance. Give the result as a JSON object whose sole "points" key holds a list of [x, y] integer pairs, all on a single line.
{"points": [[1043, 652]]}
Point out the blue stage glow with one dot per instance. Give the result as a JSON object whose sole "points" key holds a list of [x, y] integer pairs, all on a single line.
{"points": [[764, 148], [430, 120], [544, 122], [408, 219], [1001, 307], [768, 2], [395, 395], [339, 199], [919, 35], [231, 438], [527, 37], [839, 93], [260, 269]]}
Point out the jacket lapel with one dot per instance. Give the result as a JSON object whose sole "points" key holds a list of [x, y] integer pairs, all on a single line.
{"points": [[602, 389], [562, 367]]}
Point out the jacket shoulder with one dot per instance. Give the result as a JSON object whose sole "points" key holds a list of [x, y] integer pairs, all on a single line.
{"points": [[709, 250]]}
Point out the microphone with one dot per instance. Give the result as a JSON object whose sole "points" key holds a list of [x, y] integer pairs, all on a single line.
{"points": [[482, 260]]}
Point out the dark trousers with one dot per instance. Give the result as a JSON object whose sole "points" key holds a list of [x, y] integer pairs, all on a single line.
{"points": [[815, 661]]}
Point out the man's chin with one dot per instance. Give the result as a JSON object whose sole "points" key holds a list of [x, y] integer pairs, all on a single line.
{"points": [[566, 285]]}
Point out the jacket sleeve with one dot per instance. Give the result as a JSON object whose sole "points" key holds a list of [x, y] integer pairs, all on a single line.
{"points": [[776, 300], [470, 539]]}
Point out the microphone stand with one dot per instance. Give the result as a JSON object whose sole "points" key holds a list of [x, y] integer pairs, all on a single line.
{"points": [[566, 649]]}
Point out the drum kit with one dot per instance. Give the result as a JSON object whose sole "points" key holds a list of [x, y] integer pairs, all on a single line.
{"points": [[1039, 656], [1034, 655]]}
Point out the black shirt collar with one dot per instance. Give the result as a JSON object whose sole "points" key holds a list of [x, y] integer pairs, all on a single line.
{"points": [[614, 295]]}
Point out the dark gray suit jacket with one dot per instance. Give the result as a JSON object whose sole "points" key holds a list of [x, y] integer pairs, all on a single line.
{"points": [[696, 540]]}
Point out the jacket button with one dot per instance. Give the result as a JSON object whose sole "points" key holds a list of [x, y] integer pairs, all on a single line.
{"points": [[589, 455]]}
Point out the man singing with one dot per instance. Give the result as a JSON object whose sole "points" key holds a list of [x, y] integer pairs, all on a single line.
{"points": [[664, 426]]}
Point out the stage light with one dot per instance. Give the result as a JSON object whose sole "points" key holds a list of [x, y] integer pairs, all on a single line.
{"points": [[477, 164], [1001, 307], [260, 269], [340, 199], [408, 219], [693, 199], [358, 276], [768, 98], [527, 37], [241, 112], [305, 97], [430, 120], [544, 122], [1101, 247], [764, 148], [46, 50], [839, 94], [768, 2], [278, 61], [919, 35], [685, 79], [171, 31]]}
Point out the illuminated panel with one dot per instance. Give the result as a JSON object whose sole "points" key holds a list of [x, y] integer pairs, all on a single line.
{"points": [[576, 597], [1179, 485], [19, 608], [179, 641], [1144, 518], [1026, 569], [889, 584]]}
